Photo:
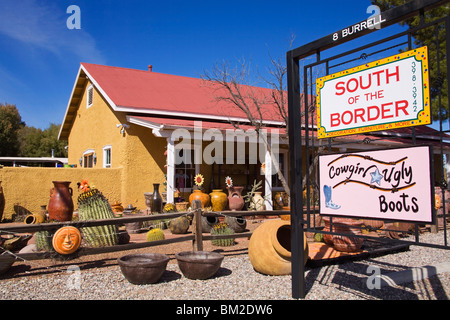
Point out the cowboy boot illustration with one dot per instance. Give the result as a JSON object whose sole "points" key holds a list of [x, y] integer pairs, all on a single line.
{"points": [[328, 201]]}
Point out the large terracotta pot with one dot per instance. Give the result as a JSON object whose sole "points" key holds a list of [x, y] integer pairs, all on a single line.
{"points": [[60, 205], [2, 201], [347, 226], [200, 195], [219, 200], [269, 248], [235, 200]]}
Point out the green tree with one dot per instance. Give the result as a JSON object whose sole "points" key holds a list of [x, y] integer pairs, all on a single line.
{"points": [[10, 125], [40, 143], [434, 39]]}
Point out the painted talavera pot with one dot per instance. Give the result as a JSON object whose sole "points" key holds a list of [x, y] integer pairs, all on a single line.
{"points": [[219, 200], [235, 200], [200, 195], [269, 248], [60, 205]]}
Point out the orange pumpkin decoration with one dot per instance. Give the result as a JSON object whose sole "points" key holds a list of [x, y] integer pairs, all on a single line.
{"points": [[66, 240]]}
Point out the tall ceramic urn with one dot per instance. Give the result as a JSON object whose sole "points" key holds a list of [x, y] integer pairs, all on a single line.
{"points": [[60, 205]]}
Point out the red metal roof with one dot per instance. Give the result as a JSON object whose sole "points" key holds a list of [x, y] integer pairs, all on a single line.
{"points": [[157, 93]]}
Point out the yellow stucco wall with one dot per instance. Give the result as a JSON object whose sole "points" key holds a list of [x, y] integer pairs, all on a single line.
{"points": [[29, 188], [137, 151]]}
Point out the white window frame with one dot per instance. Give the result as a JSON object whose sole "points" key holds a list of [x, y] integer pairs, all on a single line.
{"points": [[87, 153], [197, 154], [90, 93], [105, 156]]}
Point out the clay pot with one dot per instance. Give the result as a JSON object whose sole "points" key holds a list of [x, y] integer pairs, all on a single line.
{"points": [[179, 225], [156, 200], [2, 201], [60, 205], [219, 200], [237, 224], [6, 261], [182, 206], [199, 265], [66, 240], [257, 202], [200, 195], [208, 223], [35, 218], [269, 248], [143, 268], [235, 200], [343, 225]]}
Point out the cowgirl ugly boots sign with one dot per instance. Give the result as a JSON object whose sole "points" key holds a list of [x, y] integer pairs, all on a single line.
{"points": [[393, 184]]}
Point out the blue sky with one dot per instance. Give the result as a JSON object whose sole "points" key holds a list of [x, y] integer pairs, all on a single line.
{"points": [[40, 56]]}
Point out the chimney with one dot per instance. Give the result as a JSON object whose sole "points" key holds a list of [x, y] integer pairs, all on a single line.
{"points": [[150, 68]]}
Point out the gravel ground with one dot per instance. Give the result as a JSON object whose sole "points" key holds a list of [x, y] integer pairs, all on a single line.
{"points": [[236, 280]]}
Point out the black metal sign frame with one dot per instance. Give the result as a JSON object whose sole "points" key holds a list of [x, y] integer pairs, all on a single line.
{"points": [[302, 147]]}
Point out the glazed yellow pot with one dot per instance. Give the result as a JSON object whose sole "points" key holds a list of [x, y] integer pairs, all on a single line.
{"points": [[269, 248], [219, 200]]}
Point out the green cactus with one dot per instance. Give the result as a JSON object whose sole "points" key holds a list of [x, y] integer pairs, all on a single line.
{"points": [[92, 205], [43, 240], [155, 235], [222, 228]]}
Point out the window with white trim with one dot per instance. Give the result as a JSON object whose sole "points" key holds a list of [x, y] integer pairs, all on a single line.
{"points": [[186, 170], [88, 158], [90, 96], [107, 156]]}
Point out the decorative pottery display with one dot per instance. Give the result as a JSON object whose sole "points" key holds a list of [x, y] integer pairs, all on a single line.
{"points": [[345, 226], [148, 200], [237, 224], [60, 205], [143, 268], [235, 200], [208, 222], [257, 202], [179, 225], [117, 207], [280, 200], [200, 195], [2, 201], [66, 240], [219, 200], [157, 201], [35, 218], [182, 206], [199, 265], [269, 248]]}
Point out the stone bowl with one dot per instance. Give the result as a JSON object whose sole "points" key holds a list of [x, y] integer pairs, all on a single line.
{"points": [[199, 265], [143, 268]]}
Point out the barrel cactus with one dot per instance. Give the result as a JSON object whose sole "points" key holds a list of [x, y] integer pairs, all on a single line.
{"points": [[92, 205], [222, 228], [43, 240], [155, 235]]}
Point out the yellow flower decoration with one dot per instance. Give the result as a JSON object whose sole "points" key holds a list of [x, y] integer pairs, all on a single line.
{"points": [[198, 179]]}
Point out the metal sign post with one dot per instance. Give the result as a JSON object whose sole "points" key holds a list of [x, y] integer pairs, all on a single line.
{"points": [[302, 134]]}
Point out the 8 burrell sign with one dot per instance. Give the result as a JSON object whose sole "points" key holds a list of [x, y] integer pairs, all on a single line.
{"points": [[381, 95], [392, 184]]}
